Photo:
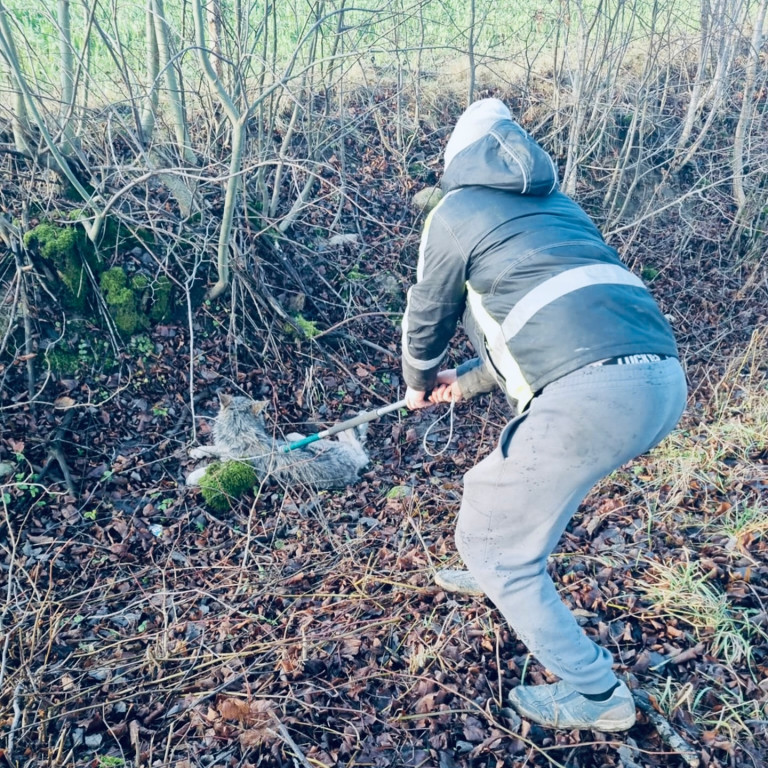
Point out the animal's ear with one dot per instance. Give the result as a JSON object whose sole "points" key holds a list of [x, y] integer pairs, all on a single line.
{"points": [[225, 400], [258, 406]]}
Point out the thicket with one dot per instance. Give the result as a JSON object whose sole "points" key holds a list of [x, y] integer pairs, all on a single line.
{"points": [[219, 137], [248, 169]]}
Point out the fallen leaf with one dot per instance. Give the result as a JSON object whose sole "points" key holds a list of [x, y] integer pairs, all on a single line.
{"points": [[234, 709]]}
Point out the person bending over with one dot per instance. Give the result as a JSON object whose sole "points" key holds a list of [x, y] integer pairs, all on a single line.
{"points": [[587, 361]]}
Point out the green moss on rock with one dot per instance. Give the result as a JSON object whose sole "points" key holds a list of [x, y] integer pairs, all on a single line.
{"points": [[153, 296], [139, 282], [121, 301], [224, 483], [65, 249], [134, 302], [162, 294], [113, 280]]}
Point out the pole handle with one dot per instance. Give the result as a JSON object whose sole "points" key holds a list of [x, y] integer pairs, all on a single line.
{"points": [[342, 426]]}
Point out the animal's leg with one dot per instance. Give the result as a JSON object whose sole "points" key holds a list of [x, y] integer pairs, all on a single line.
{"points": [[193, 478], [204, 452]]}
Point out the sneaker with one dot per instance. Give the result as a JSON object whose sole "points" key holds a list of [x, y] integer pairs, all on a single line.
{"points": [[560, 706], [462, 582]]}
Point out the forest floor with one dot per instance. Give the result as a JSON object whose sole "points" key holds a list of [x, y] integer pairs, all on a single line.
{"points": [[305, 629]]}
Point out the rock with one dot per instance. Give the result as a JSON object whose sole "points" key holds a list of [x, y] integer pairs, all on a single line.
{"points": [[426, 199], [351, 239], [93, 740]]}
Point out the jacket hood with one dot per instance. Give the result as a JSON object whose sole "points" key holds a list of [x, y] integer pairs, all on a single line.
{"points": [[489, 149]]}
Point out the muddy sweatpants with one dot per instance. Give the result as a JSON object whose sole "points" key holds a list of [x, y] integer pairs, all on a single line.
{"points": [[518, 500]]}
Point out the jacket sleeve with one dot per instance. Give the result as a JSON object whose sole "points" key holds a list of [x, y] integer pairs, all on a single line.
{"points": [[474, 378], [435, 303]]}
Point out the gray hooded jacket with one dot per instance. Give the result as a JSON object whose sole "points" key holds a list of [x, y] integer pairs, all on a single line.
{"points": [[540, 292]]}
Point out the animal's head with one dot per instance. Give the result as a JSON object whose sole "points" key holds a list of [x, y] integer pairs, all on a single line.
{"points": [[237, 404]]}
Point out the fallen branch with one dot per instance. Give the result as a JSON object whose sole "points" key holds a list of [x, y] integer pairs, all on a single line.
{"points": [[15, 724], [56, 453], [282, 733], [665, 730]]}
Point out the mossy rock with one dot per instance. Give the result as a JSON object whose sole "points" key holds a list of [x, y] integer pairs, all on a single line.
{"points": [[426, 199], [225, 482], [155, 297], [121, 301], [66, 249], [113, 281], [134, 302]]}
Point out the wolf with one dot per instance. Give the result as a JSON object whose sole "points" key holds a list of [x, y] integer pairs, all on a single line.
{"points": [[240, 432]]}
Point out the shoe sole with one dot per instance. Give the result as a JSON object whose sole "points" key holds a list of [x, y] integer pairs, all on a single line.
{"points": [[612, 726]]}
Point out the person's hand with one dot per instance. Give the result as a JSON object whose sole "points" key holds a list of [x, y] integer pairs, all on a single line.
{"points": [[447, 389], [414, 399]]}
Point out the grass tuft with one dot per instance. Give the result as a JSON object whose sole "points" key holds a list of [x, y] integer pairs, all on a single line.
{"points": [[684, 590]]}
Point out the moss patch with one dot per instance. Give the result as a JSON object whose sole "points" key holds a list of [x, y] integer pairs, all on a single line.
{"points": [[304, 329], [154, 296], [63, 362], [121, 301], [66, 250], [134, 302], [81, 352], [224, 483]]}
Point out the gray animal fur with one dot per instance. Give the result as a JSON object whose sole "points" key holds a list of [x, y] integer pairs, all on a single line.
{"points": [[240, 432]]}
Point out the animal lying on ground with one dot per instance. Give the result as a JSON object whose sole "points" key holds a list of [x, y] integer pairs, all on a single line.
{"points": [[240, 432]]}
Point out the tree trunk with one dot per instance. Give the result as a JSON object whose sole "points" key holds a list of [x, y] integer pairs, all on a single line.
{"points": [[471, 53], [66, 61], [163, 36], [238, 140], [19, 118], [214, 31], [747, 106], [153, 71]]}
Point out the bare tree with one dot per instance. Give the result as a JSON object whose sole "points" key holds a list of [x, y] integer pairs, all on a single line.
{"points": [[720, 31], [747, 107], [19, 117], [67, 72], [168, 64], [153, 73]]}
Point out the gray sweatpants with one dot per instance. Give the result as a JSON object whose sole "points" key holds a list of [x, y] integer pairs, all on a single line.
{"points": [[518, 500]]}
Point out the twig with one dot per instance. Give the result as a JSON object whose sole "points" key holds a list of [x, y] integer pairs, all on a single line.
{"points": [[190, 324], [57, 453], [282, 732], [335, 327], [29, 347], [61, 460], [15, 723], [12, 314], [665, 730]]}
